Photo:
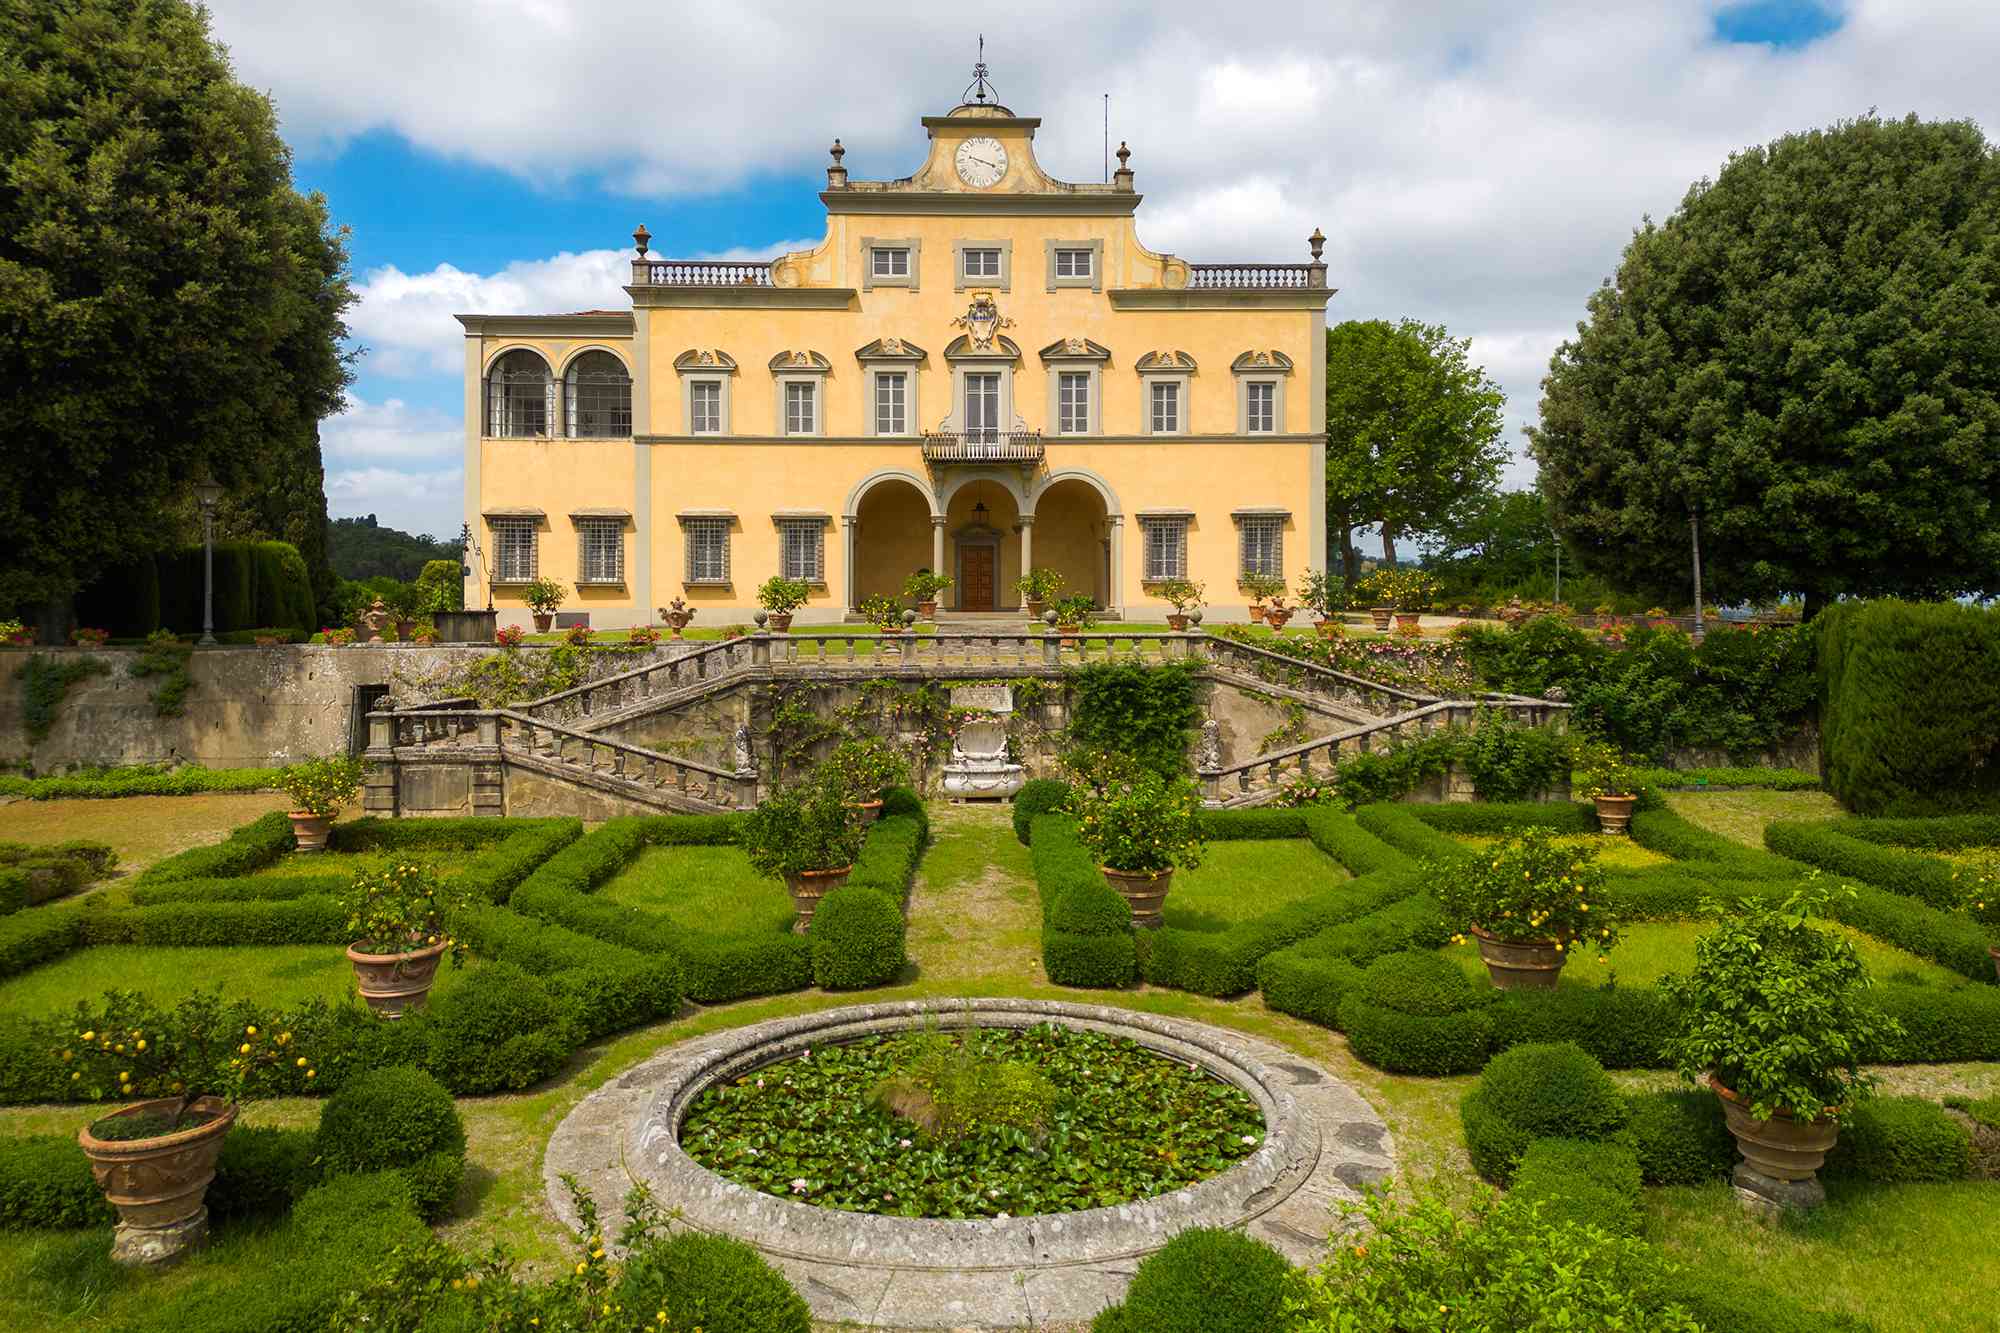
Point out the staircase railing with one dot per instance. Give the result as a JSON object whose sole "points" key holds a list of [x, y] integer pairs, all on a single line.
{"points": [[1329, 683]]}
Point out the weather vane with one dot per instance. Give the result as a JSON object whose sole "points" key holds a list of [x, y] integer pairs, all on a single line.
{"points": [[979, 88]]}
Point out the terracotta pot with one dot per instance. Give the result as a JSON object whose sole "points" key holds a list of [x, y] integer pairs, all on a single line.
{"points": [[1067, 631], [405, 628], [543, 622], [1380, 615], [1783, 1147], [1144, 890], [1409, 620], [927, 610], [1520, 964], [869, 811], [807, 887], [1032, 607], [1177, 622], [1614, 813], [310, 831], [1277, 616], [778, 622], [159, 1185], [1256, 613], [394, 982], [1328, 629]]}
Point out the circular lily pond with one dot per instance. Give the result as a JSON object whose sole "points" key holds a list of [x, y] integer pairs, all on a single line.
{"points": [[983, 1122]]}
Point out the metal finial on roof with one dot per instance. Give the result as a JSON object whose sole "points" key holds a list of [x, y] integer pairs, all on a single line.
{"points": [[1124, 155], [642, 238], [838, 152], [1317, 241], [979, 89]]}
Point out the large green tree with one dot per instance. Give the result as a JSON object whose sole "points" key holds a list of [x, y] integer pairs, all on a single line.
{"points": [[169, 304], [1806, 356], [1412, 430]]}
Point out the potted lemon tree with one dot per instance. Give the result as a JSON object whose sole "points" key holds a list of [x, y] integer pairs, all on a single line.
{"points": [[319, 788], [543, 596], [1037, 588], [865, 767], [1140, 825], [780, 597], [184, 1072], [1774, 1019], [1531, 903], [808, 836], [1979, 889], [1184, 595], [923, 588], [399, 918], [1601, 775], [1322, 593]]}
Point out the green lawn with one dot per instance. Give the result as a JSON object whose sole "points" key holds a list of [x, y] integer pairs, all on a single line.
{"points": [[274, 974], [1910, 1258], [1614, 851], [1239, 881], [1651, 949], [708, 889]]}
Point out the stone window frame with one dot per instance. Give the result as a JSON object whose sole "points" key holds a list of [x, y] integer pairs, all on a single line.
{"points": [[1272, 368], [906, 360], [1165, 367], [575, 390], [1094, 280], [961, 283], [787, 368], [788, 522], [871, 280], [499, 416], [585, 522], [1003, 359], [499, 522], [1064, 357], [696, 525], [1274, 519], [1175, 521], [718, 368]]}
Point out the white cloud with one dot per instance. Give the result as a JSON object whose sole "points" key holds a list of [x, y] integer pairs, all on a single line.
{"points": [[423, 502], [405, 319], [390, 431], [401, 463]]}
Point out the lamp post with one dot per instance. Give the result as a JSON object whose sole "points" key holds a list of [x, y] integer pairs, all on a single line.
{"points": [[206, 493]]}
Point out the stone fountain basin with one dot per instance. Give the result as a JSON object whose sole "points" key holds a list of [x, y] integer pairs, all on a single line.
{"points": [[1322, 1144]]}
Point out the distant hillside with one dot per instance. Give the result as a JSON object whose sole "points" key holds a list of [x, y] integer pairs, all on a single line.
{"points": [[360, 548]]}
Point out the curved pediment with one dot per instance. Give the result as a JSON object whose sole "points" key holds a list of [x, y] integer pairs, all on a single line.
{"points": [[711, 358], [1266, 360], [796, 362], [1165, 361], [1075, 349], [997, 348], [891, 349]]}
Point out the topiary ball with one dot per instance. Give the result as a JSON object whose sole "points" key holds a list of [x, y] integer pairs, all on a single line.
{"points": [[1553, 1090], [1038, 796], [395, 1119], [1207, 1280], [710, 1283], [857, 939], [497, 1028], [1092, 909]]}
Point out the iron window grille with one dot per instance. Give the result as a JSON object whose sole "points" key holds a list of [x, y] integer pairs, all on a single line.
{"points": [[891, 403], [600, 550], [982, 407], [799, 408], [1073, 402], [982, 263], [1166, 548], [1166, 412], [1261, 406], [891, 261], [707, 550], [1261, 545], [802, 549], [520, 397], [598, 393], [705, 407], [1072, 263], [514, 550]]}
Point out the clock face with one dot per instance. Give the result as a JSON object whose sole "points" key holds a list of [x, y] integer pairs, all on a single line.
{"points": [[981, 162]]}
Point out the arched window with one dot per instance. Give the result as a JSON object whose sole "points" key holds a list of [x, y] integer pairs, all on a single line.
{"points": [[599, 394], [520, 397]]}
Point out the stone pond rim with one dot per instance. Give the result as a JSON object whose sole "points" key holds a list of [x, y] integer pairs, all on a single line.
{"points": [[1322, 1144]]}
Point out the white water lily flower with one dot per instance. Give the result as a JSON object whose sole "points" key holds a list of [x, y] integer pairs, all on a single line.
{"points": [[902, 1143], [1249, 1138], [798, 1187]]}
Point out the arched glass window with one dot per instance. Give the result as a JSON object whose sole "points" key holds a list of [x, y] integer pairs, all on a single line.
{"points": [[599, 394], [520, 397]]}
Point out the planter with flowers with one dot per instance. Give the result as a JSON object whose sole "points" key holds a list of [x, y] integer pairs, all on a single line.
{"points": [[1140, 825], [319, 788], [1074, 614], [1978, 884], [1774, 1018], [1262, 588], [543, 596], [1531, 903], [425, 633], [399, 918], [1601, 774], [1380, 589], [864, 767], [677, 613], [1037, 588], [190, 1068], [642, 636], [579, 636], [807, 835], [1184, 595], [780, 597], [883, 612], [14, 634], [923, 588], [85, 637], [509, 636]]}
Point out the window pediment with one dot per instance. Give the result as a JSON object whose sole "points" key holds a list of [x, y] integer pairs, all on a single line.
{"points": [[891, 349], [697, 359], [999, 348], [1268, 361], [1165, 362], [1074, 349], [801, 363]]}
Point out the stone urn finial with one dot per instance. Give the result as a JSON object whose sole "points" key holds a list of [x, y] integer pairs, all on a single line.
{"points": [[376, 617]]}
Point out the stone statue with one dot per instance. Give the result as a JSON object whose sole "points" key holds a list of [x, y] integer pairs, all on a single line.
{"points": [[1208, 751], [746, 760]]}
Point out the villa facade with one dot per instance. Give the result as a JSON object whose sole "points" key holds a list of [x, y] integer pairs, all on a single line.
{"points": [[979, 371]]}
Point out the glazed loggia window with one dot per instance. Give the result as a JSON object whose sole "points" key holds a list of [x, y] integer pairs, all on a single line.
{"points": [[597, 391]]}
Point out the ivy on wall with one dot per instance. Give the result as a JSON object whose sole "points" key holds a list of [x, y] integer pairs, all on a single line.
{"points": [[1506, 760], [166, 658], [1146, 712], [44, 682]]}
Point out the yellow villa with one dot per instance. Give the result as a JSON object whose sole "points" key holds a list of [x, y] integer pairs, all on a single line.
{"points": [[980, 371]]}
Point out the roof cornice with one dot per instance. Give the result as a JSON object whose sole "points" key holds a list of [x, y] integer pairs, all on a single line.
{"points": [[954, 203], [741, 297], [578, 326]]}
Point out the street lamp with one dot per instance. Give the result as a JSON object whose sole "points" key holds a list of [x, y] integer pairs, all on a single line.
{"points": [[206, 493]]}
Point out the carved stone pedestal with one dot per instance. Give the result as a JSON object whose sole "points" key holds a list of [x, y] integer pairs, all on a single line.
{"points": [[979, 768], [1768, 1199]]}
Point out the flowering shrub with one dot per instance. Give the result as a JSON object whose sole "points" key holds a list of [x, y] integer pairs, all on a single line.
{"points": [[802, 827], [1600, 770], [203, 1047], [84, 637], [509, 636], [1534, 887], [1979, 886], [864, 766], [402, 908], [884, 613], [578, 635], [322, 786], [335, 637], [1140, 821], [15, 634], [643, 635], [1434, 666]]}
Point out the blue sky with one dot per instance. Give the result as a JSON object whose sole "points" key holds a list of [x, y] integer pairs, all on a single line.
{"points": [[1473, 166]]}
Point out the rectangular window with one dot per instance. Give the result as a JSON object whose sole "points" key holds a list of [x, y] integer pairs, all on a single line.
{"points": [[1260, 403], [1166, 548], [513, 550], [600, 550], [982, 263], [802, 549], [1166, 407], [1261, 541], [707, 550], [1072, 263], [982, 407], [705, 407], [891, 403], [801, 404], [1073, 403], [891, 261]]}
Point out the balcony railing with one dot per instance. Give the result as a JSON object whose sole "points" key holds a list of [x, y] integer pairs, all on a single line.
{"points": [[1257, 275], [698, 273], [989, 446]]}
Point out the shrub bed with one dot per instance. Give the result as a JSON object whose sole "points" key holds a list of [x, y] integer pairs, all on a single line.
{"points": [[397, 1119], [1417, 1013], [1204, 1280], [1894, 1140], [139, 780], [1535, 1092]]}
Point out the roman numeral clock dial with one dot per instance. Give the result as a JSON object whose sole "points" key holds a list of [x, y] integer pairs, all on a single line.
{"points": [[981, 162]]}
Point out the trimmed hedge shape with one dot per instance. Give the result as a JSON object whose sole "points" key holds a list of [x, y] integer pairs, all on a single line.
{"points": [[1622, 1027], [142, 780], [710, 1284], [498, 1028], [857, 939], [1205, 1280], [1587, 1182], [1534, 1092], [1828, 845], [1679, 1138], [1038, 796], [1417, 1013], [1720, 1301], [1894, 1140], [1106, 956], [248, 848], [1499, 818], [396, 1119]]}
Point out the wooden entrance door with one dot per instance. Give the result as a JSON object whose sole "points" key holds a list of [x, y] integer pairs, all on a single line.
{"points": [[976, 589]]}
